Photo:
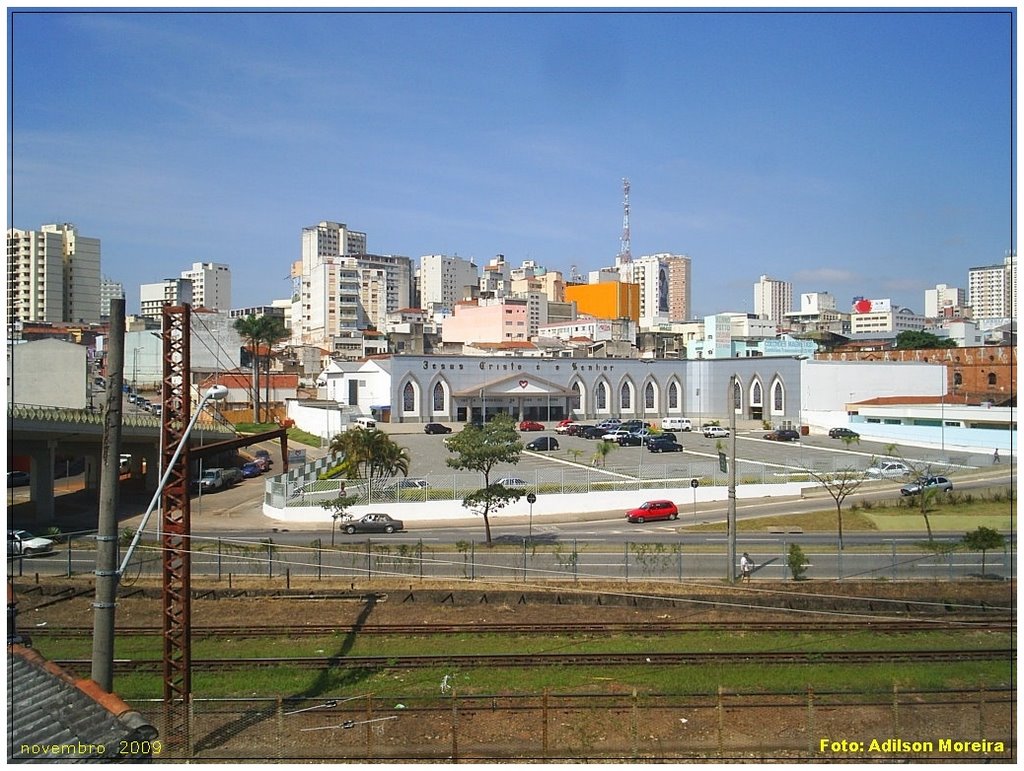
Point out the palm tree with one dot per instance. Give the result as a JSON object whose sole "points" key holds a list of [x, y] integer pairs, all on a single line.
{"points": [[370, 454], [251, 330], [272, 331]]}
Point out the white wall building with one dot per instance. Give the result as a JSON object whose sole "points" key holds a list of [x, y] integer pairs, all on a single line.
{"points": [[445, 281], [941, 297], [109, 290], [651, 272], [30, 374], [211, 285], [993, 289], [170, 291], [773, 299], [882, 317], [53, 275]]}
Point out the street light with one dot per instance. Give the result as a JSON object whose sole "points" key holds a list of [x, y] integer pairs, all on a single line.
{"points": [[107, 577]]}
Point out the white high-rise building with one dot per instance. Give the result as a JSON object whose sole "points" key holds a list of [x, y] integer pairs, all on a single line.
{"points": [[53, 275], [444, 280], [993, 289], [773, 299], [942, 296], [651, 272], [170, 291], [211, 285], [338, 288]]}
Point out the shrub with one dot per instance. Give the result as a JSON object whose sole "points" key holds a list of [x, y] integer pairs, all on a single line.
{"points": [[797, 562]]}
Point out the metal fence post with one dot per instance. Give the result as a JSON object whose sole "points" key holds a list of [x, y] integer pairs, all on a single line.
{"points": [[319, 560], [70, 542], [575, 562], [626, 560], [524, 560], [472, 560], [419, 549], [893, 544], [369, 567], [270, 560], [219, 560]]}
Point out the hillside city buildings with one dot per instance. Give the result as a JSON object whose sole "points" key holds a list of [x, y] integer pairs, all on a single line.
{"points": [[349, 304]]}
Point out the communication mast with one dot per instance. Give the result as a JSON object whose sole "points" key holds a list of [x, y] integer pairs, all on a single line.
{"points": [[625, 252]]}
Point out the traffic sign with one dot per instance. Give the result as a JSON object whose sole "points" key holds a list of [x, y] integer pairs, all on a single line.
{"points": [[531, 499], [694, 483]]}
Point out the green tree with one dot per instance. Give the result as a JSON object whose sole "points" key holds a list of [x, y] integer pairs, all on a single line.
{"points": [[911, 339], [797, 561], [250, 329], [604, 447], [839, 483], [370, 454], [919, 470], [272, 332], [338, 508], [983, 539], [481, 448]]}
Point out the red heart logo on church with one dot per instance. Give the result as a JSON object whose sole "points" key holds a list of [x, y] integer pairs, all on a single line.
{"points": [[524, 383]]}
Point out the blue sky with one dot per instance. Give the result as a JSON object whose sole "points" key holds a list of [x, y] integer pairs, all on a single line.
{"points": [[860, 153]]}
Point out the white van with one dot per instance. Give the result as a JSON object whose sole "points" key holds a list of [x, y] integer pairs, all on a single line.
{"points": [[365, 423], [676, 424]]}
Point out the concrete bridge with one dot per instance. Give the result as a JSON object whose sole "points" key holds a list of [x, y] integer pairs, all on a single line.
{"points": [[40, 433]]}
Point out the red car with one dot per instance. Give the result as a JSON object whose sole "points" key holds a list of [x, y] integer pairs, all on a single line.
{"points": [[653, 510], [531, 425]]}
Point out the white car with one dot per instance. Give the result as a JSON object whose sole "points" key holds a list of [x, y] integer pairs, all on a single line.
{"points": [[613, 436], [23, 543], [890, 469], [511, 482], [715, 432]]}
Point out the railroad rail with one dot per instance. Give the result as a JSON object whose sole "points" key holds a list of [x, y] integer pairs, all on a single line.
{"points": [[430, 661], [887, 626]]}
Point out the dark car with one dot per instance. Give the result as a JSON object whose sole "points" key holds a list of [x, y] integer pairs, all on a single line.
{"points": [[18, 478], [577, 429], [629, 440], [436, 428], [838, 433], [653, 510], [594, 432], [927, 483], [531, 425], [783, 435], [250, 470], [661, 436], [374, 523], [664, 445], [543, 443], [265, 454]]}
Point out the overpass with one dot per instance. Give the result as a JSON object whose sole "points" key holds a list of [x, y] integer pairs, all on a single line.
{"points": [[41, 432]]}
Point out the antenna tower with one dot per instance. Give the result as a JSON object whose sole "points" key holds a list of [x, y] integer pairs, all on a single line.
{"points": [[625, 253]]}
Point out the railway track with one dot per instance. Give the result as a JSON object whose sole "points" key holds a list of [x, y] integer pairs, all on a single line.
{"points": [[988, 624], [455, 661]]}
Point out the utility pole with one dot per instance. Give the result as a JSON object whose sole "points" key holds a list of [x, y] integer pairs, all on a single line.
{"points": [[732, 478], [106, 532]]}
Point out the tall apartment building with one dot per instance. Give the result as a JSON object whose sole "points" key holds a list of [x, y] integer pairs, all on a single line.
{"points": [[773, 299], [339, 288], [651, 272], [211, 285], [993, 289], [170, 291], [53, 275], [109, 290], [679, 286], [941, 297], [445, 281]]}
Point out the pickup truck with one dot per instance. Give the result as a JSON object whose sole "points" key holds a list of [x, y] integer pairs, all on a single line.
{"points": [[214, 479]]}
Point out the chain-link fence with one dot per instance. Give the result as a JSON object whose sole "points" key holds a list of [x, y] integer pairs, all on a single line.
{"points": [[541, 557]]}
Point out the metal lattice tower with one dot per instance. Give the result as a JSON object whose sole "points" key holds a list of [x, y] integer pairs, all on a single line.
{"points": [[176, 529], [625, 251]]}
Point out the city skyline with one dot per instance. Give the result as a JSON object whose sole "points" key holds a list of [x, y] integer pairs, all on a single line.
{"points": [[861, 154]]}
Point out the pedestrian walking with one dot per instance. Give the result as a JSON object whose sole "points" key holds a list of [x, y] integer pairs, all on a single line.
{"points": [[746, 567], [995, 457]]}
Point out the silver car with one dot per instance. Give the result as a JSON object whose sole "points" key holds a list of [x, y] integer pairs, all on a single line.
{"points": [[927, 483]]}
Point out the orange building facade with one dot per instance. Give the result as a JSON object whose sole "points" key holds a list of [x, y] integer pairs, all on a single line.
{"points": [[607, 300]]}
